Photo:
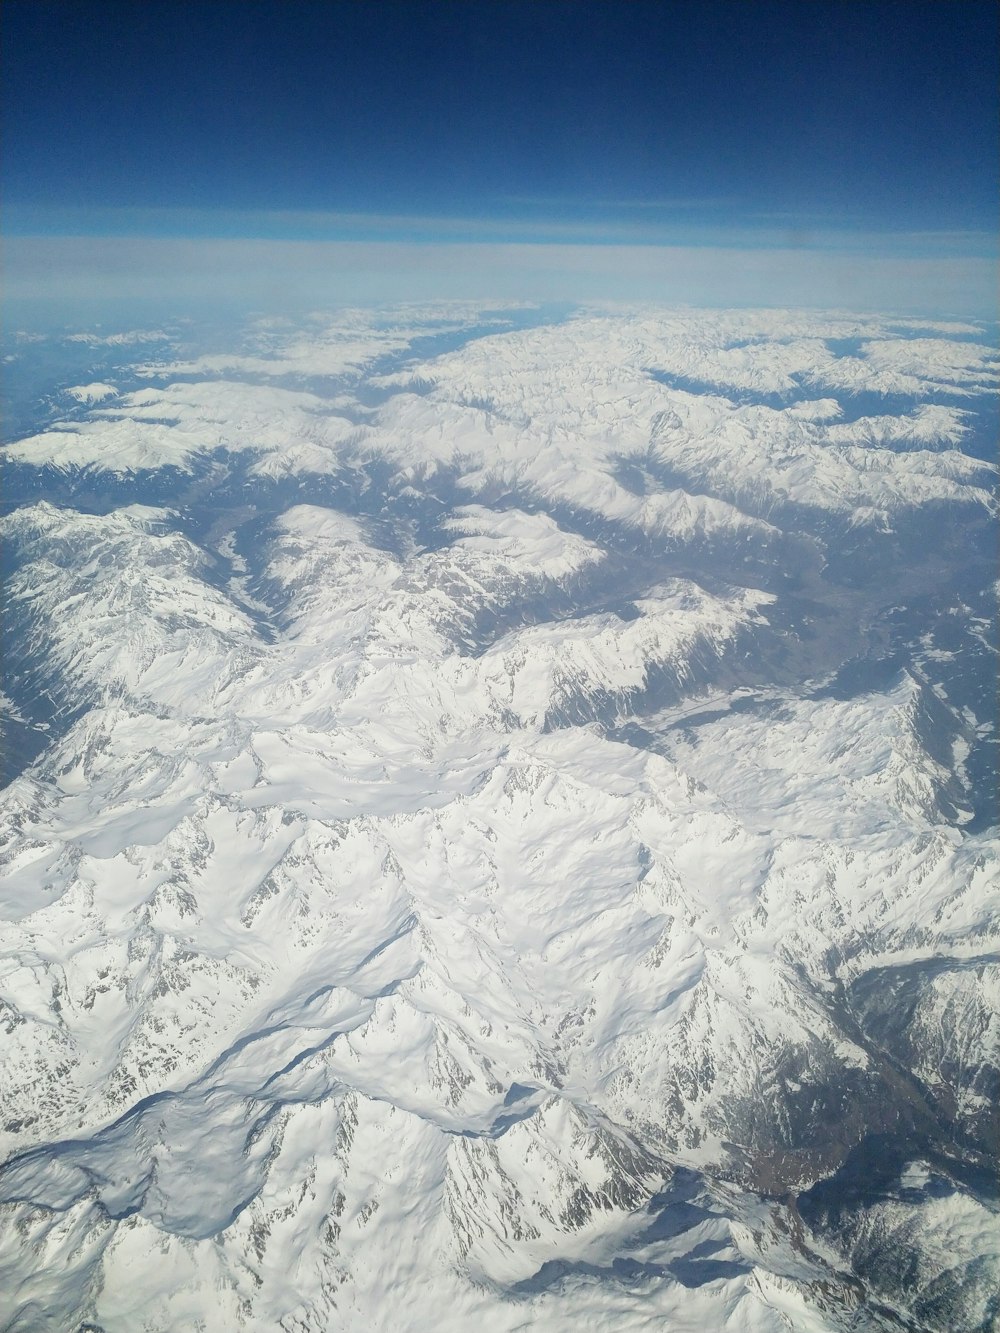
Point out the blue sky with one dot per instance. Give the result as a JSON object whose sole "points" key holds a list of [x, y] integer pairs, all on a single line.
{"points": [[855, 129]]}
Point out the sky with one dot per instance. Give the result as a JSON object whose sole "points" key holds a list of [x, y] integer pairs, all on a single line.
{"points": [[765, 134]]}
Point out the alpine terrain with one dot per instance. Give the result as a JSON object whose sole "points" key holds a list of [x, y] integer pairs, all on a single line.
{"points": [[500, 824]]}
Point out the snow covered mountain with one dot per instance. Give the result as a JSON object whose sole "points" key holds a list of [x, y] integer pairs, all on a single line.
{"points": [[500, 827]]}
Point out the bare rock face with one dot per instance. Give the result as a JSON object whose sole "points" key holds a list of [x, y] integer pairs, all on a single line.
{"points": [[505, 837]]}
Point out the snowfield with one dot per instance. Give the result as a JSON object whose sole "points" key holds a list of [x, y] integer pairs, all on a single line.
{"points": [[504, 833]]}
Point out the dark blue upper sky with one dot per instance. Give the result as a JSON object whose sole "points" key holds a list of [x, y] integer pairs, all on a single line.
{"points": [[659, 118]]}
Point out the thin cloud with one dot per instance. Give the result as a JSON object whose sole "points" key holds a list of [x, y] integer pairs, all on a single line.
{"points": [[574, 204], [300, 274], [777, 231]]}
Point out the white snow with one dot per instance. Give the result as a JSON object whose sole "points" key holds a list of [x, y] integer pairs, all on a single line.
{"points": [[356, 966], [92, 393]]}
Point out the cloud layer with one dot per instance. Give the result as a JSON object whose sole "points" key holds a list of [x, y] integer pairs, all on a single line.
{"points": [[62, 271]]}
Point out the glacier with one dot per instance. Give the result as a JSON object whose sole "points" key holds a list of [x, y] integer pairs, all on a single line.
{"points": [[500, 824]]}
